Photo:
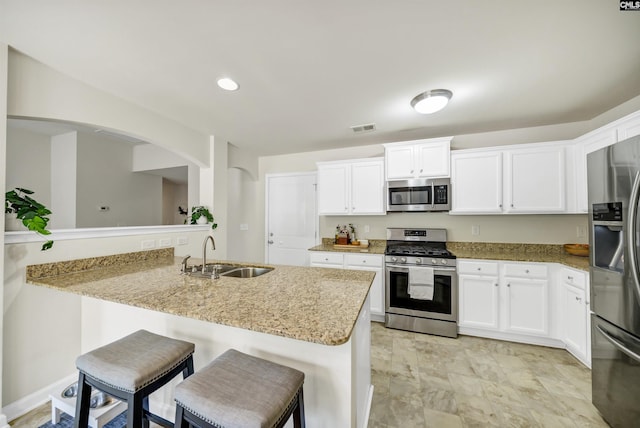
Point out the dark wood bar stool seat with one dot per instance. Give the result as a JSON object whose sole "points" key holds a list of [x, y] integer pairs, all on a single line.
{"points": [[237, 390], [130, 369]]}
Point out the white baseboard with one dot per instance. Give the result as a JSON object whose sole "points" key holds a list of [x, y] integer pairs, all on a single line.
{"points": [[520, 338], [377, 318], [34, 400]]}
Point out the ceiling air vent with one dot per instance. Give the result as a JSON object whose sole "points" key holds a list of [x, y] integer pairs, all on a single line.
{"points": [[364, 128]]}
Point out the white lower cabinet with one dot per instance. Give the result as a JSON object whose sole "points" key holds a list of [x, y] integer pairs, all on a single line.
{"points": [[478, 289], [538, 303], [357, 261], [576, 329], [504, 300]]}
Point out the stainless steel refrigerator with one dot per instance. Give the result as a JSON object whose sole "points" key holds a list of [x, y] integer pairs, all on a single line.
{"points": [[614, 198]]}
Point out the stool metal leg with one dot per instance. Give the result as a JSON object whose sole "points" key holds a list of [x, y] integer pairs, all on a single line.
{"points": [[82, 404], [298, 414]]}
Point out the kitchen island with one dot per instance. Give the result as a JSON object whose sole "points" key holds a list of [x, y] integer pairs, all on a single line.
{"points": [[313, 319]]}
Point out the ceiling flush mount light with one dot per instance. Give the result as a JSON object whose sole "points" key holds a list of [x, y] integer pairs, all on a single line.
{"points": [[228, 84], [431, 101]]}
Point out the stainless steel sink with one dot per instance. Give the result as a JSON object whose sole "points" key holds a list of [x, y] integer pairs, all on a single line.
{"points": [[247, 272], [233, 271]]}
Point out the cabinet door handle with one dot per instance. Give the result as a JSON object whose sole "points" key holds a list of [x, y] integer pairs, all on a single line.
{"points": [[511, 205], [508, 285], [570, 278], [579, 299], [479, 269], [496, 284], [270, 241], [500, 206], [420, 170], [526, 271]]}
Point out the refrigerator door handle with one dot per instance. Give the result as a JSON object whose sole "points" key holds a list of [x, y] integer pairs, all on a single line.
{"points": [[631, 234], [618, 344]]}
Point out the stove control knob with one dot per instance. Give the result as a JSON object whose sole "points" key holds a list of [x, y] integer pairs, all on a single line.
{"points": [[394, 259], [403, 259], [434, 261], [418, 261], [443, 261]]}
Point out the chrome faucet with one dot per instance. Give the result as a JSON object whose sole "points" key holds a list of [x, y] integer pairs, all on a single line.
{"points": [[204, 252], [184, 264]]}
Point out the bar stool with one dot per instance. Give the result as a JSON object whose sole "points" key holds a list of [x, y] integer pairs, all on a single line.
{"points": [[240, 391], [130, 369]]}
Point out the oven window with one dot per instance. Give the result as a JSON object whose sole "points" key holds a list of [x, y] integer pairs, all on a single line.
{"points": [[399, 296]]}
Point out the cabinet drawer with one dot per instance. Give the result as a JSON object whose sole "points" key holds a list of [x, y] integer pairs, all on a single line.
{"points": [[326, 258], [477, 268], [362, 260], [575, 278], [526, 270]]}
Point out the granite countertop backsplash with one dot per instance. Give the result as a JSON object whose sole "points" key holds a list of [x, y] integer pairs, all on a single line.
{"points": [[545, 253], [311, 304]]}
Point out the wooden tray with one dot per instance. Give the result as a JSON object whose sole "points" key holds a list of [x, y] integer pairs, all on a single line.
{"points": [[581, 250], [350, 247]]}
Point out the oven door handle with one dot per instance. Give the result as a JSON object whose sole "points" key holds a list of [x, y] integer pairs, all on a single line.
{"points": [[436, 270]]}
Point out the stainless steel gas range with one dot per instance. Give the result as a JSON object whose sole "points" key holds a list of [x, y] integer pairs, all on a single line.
{"points": [[421, 283]]}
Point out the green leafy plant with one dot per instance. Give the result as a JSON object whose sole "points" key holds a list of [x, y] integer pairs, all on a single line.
{"points": [[33, 214], [199, 211]]}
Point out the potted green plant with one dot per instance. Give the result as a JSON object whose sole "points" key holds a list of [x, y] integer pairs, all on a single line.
{"points": [[201, 215], [33, 214]]}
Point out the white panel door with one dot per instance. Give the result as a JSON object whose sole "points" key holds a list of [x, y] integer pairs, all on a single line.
{"points": [[367, 188], [478, 301], [333, 189], [535, 180], [527, 306], [432, 159], [292, 221], [575, 319], [399, 162], [476, 182]]}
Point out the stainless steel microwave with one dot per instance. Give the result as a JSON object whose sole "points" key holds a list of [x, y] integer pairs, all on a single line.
{"points": [[419, 195]]}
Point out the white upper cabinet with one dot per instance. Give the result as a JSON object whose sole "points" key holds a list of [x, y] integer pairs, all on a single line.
{"points": [[535, 180], [417, 159], [476, 182], [351, 187], [527, 179]]}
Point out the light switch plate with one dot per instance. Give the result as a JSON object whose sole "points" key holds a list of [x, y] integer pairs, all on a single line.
{"points": [[164, 242], [182, 240]]}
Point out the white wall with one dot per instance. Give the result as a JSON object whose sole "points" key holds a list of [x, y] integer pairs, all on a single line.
{"points": [[105, 178], [28, 162], [241, 209], [37, 91], [64, 180], [173, 196]]}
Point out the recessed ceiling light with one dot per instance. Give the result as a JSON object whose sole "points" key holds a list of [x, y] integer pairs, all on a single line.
{"points": [[228, 84], [431, 101]]}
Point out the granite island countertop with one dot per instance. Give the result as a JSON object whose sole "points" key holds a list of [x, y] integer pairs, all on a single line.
{"points": [[316, 305]]}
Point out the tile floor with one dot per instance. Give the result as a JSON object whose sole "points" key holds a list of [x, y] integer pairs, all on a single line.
{"points": [[430, 381]]}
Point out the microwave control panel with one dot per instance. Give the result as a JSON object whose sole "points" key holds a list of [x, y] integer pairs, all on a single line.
{"points": [[440, 196]]}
